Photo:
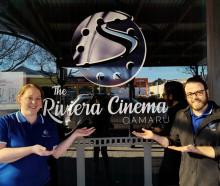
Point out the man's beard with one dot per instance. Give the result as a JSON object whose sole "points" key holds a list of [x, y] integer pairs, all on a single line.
{"points": [[198, 104]]}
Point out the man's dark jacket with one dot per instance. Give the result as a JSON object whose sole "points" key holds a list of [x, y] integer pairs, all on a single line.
{"points": [[198, 170]]}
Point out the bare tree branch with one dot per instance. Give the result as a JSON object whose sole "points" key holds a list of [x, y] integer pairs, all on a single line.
{"points": [[196, 70], [15, 52]]}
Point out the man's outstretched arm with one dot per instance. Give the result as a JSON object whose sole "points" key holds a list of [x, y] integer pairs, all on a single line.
{"points": [[148, 134], [202, 150]]}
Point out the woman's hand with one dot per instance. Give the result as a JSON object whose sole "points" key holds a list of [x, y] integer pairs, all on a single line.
{"points": [[41, 151], [63, 146], [83, 132]]}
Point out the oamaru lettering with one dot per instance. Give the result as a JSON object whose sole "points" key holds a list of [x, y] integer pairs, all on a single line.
{"points": [[145, 120]]}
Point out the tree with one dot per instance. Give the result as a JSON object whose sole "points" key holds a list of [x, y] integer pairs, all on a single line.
{"points": [[15, 52], [196, 70]]}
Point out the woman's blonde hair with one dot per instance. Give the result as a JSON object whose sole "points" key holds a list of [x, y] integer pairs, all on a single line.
{"points": [[30, 85]]}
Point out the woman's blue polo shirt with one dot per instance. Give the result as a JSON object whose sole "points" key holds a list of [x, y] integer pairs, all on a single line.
{"points": [[15, 131]]}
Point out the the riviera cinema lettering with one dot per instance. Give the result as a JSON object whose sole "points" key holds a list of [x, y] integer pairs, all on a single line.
{"points": [[55, 109]]}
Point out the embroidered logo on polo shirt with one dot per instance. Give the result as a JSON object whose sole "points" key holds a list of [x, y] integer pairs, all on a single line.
{"points": [[45, 134]]}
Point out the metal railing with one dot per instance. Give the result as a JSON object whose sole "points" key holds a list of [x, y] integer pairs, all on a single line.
{"points": [[116, 141]]}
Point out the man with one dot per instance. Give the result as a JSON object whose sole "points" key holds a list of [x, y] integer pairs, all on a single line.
{"points": [[102, 124], [174, 96], [196, 133]]}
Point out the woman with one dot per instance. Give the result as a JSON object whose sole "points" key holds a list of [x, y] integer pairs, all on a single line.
{"points": [[27, 139]]}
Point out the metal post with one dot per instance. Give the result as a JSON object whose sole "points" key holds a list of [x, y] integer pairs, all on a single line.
{"points": [[80, 165], [147, 164], [131, 96]]}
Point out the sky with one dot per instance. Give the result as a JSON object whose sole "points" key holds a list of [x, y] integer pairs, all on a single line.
{"points": [[169, 73]]}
